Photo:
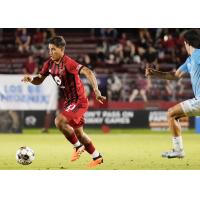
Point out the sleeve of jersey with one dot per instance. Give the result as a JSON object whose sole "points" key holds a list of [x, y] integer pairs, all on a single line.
{"points": [[45, 69], [74, 67], [183, 67]]}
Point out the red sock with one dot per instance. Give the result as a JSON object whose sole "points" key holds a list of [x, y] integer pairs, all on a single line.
{"points": [[72, 138], [90, 148]]}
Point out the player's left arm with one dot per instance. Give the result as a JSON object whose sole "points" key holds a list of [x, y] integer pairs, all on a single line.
{"points": [[93, 81]]}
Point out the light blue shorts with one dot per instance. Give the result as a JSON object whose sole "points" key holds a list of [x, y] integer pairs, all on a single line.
{"points": [[191, 107]]}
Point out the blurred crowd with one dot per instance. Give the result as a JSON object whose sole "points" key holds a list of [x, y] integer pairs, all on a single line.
{"points": [[140, 45], [113, 46], [34, 46]]}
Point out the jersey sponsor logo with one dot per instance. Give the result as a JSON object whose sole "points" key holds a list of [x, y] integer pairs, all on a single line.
{"points": [[57, 80]]}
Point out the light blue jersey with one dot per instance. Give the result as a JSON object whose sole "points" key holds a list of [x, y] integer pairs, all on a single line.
{"points": [[192, 66]]}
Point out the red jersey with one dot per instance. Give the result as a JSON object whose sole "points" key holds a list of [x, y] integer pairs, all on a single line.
{"points": [[66, 76]]}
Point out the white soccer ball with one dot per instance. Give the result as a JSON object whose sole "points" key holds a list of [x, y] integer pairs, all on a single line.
{"points": [[25, 155]]}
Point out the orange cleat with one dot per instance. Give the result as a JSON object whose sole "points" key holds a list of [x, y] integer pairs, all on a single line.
{"points": [[96, 161], [77, 152]]}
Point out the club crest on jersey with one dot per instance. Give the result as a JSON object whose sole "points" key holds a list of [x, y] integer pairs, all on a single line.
{"points": [[58, 80]]}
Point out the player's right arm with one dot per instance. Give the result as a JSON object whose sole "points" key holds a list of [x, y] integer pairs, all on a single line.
{"points": [[37, 80]]}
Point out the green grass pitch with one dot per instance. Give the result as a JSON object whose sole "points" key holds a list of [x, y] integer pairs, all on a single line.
{"points": [[123, 149]]}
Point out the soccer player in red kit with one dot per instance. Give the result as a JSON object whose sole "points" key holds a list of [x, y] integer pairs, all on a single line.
{"points": [[65, 72]]}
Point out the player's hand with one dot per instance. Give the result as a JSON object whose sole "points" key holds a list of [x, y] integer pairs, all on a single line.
{"points": [[99, 98], [150, 72], [27, 79]]}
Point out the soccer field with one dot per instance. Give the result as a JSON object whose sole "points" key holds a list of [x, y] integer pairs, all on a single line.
{"points": [[123, 149]]}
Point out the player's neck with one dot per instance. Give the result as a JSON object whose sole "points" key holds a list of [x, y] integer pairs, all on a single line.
{"points": [[58, 61], [192, 49]]}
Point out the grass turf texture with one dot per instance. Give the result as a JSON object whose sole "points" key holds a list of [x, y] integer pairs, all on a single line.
{"points": [[125, 149]]}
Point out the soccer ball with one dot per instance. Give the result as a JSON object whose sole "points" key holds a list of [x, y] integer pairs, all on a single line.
{"points": [[25, 155]]}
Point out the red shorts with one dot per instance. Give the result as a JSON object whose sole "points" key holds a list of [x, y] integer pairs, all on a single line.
{"points": [[75, 113]]}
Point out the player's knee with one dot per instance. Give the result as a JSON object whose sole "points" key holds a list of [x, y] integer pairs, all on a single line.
{"points": [[57, 122], [170, 113], [79, 133]]}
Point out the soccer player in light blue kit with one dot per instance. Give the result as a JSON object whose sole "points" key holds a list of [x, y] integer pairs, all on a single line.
{"points": [[190, 107]]}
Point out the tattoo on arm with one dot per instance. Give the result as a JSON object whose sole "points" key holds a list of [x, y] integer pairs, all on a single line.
{"points": [[91, 77]]}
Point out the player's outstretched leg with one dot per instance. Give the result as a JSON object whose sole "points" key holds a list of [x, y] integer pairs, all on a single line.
{"points": [[89, 147], [62, 124], [174, 114]]}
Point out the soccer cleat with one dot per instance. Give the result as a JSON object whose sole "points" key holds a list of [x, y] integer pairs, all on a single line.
{"points": [[173, 154], [96, 161], [77, 152]]}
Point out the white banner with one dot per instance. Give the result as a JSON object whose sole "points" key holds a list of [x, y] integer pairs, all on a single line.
{"points": [[17, 95]]}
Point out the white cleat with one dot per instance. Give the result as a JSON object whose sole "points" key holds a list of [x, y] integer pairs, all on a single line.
{"points": [[173, 154]]}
